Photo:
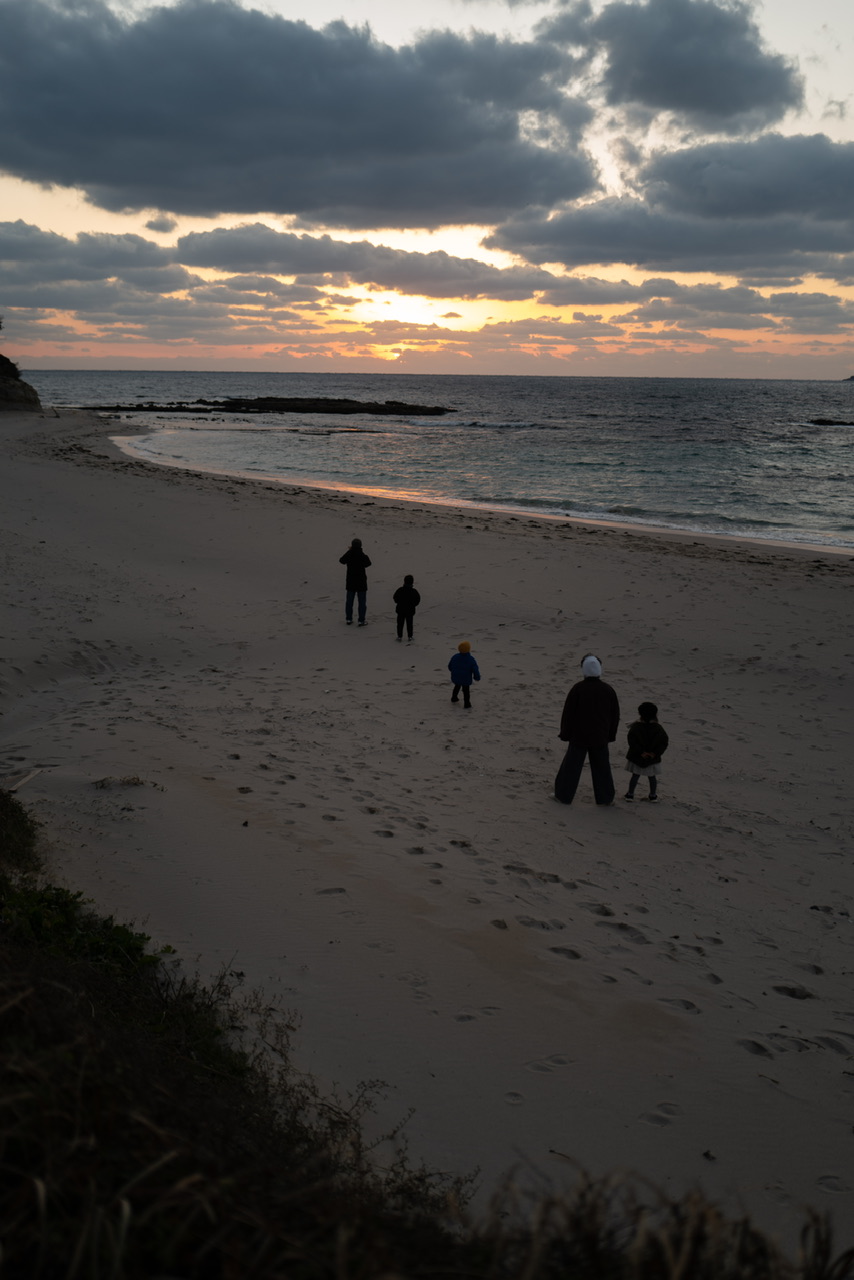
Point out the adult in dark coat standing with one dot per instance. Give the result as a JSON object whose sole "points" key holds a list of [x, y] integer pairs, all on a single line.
{"points": [[591, 715], [357, 580]]}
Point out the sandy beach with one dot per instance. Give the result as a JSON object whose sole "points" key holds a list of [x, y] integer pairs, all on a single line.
{"points": [[660, 989]]}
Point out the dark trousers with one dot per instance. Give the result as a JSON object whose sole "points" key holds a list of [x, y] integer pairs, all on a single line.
{"points": [[407, 618], [633, 782], [348, 605], [455, 696], [569, 774]]}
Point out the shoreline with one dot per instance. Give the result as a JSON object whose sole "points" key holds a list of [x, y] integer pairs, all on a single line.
{"points": [[123, 445], [217, 758]]}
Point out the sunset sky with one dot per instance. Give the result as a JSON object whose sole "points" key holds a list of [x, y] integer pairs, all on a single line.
{"points": [[581, 187]]}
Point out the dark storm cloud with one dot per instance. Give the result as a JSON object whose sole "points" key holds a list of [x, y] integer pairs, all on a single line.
{"points": [[91, 250], [433, 275], [588, 290], [713, 306], [30, 254], [701, 61], [163, 223], [763, 178], [774, 208], [581, 291], [256, 254], [257, 288], [811, 312], [206, 107], [125, 286], [630, 231]]}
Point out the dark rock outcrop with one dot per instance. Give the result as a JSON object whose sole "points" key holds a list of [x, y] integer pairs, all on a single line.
{"points": [[17, 395], [14, 392]]}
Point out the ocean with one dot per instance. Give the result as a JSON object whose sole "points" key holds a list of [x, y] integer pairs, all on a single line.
{"points": [[744, 457]]}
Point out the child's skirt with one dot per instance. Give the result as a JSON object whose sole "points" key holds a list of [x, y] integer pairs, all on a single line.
{"points": [[644, 770]]}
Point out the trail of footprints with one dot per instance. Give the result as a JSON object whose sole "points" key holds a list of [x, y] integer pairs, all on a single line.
{"points": [[287, 770]]}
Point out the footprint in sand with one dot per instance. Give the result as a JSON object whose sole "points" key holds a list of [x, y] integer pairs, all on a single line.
{"points": [[514, 1099], [528, 922], [828, 1042], [665, 1113], [830, 1182], [645, 982], [545, 1066], [487, 1011], [753, 1046], [783, 1043], [627, 930], [687, 1005], [567, 952]]}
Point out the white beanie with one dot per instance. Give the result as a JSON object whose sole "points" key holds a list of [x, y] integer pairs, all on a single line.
{"points": [[591, 666]]}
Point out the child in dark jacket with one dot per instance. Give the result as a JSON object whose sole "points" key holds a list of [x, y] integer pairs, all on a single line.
{"points": [[406, 601], [463, 669], [647, 744]]}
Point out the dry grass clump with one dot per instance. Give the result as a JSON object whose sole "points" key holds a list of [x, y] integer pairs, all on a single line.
{"points": [[153, 1129], [18, 837]]}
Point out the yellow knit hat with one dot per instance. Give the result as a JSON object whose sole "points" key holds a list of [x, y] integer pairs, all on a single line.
{"points": [[464, 646]]}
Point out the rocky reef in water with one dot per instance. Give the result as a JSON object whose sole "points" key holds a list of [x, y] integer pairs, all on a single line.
{"points": [[278, 404]]}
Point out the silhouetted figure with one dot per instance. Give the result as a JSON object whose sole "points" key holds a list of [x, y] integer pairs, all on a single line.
{"points": [[589, 722], [357, 581], [647, 744], [463, 669], [406, 601]]}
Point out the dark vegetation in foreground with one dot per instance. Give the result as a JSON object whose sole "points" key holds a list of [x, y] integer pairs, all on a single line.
{"points": [[152, 1128]]}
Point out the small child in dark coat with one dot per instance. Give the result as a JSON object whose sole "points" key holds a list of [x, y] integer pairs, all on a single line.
{"points": [[463, 669], [406, 601], [647, 744]]}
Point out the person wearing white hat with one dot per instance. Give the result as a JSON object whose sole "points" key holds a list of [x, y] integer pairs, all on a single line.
{"points": [[591, 716]]}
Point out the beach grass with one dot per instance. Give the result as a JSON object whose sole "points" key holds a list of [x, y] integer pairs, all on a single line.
{"points": [[153, 1126]]}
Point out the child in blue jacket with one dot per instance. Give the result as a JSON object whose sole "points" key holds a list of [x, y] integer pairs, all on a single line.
{"points": [[463, 669]]}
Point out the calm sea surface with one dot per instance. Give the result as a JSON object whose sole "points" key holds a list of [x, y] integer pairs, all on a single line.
{"points": [[709, 455]]}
